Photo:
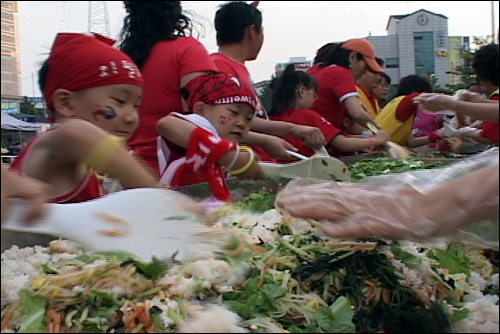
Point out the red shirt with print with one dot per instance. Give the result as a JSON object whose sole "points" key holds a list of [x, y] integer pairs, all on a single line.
{"points": [[168, 63], [90, 188], [336, 85], [199, 162], [491, 129], [307, 118]]}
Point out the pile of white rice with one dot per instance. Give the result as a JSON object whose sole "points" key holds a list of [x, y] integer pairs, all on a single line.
{"points": [[20, 264]]}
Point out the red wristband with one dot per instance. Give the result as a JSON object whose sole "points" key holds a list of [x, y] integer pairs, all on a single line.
{"points": [[434, 137]]}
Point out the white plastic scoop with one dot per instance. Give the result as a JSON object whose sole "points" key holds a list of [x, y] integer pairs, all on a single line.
{"points": [[144, 222], [320, 166]]}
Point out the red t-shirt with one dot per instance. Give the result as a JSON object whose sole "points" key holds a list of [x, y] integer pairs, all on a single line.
{"points": [[336, 85], [491, 129], [168, 63], [231, 66], [89, 189], [308, 118]]}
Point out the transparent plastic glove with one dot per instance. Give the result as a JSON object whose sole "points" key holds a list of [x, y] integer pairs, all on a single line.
{"points": [[465, 95], [449, 131], [400, 212], [436, 103], [466, 132]]}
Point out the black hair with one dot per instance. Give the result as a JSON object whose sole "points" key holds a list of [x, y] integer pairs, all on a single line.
{"points": [[334, 54], [43, 74], [380, 61], [149, 22], [414, 84], [232, 19], [386, 77], [285, 89], [485, 64]]}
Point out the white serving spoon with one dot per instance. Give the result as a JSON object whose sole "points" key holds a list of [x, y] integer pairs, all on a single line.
{"points": [[320, 166], [144, 222]]}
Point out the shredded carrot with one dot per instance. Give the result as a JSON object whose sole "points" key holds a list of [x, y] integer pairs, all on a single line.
{"points": [[55, 321], [8, 316]]}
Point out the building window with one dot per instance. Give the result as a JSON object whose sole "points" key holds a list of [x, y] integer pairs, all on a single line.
{"points": [[424, 53], [392, 63], [7, 4]]}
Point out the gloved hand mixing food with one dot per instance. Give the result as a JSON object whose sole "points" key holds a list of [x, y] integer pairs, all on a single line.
{"points": [[402, 212]]}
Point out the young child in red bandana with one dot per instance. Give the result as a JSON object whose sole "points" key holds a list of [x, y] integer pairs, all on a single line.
{"points": [[203, 146], [93, 91]]}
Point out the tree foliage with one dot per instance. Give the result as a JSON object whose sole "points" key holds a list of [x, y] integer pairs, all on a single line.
{"points": [[464, 70], [28, 107]]}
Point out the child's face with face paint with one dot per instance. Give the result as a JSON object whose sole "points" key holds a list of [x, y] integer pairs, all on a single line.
{"points": [[112, 108], [232, 121]]}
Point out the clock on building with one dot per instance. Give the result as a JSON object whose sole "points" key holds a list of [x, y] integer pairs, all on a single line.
{"points": [[422, 19]]}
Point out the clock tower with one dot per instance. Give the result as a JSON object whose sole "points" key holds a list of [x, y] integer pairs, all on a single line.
{"points": [[423, 19]]}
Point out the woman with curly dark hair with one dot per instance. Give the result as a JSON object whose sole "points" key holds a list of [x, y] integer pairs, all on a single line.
{"points": [[157, 36]]}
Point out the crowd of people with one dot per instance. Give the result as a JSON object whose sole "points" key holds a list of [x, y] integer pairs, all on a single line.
{"points": [[191, 117]]}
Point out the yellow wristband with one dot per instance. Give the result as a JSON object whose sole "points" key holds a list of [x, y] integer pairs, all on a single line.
{"points": [[250, 161], [101, 155]]}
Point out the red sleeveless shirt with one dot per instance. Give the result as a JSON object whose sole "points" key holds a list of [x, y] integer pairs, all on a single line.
{"points": [[89, 189]]}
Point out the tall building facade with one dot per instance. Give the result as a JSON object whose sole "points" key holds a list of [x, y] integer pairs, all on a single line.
{"points": [[11, 67], [419, 43]]}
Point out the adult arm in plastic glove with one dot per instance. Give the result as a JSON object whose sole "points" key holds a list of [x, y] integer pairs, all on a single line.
{"points": [[15, 186], [486, 110], [397, 212]]}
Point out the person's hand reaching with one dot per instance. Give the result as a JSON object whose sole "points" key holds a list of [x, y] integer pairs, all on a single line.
{"points": [[311, 136], [278, 148], [402, 212], [16, 186]]}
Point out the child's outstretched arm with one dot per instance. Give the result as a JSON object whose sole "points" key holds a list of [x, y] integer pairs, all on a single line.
{"points": [[78, 141], [354, 144], [179, 132], [311, 136]]}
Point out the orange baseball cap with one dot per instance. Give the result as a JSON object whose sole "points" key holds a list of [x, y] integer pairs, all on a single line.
{"points": [[365, 48]]}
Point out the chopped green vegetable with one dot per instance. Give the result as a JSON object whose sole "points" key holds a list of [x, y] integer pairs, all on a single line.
{"points": [[259, 202], [153, 270], [384, 166], [33, 313], [454, 259], [338, 318], [459, 315], [405, 257]]}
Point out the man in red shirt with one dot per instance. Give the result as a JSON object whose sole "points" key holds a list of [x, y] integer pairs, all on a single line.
{"points": [[239, 43]]}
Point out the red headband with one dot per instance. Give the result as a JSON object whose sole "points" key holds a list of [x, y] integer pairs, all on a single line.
{"points": [[79, 62], [218, 88]]}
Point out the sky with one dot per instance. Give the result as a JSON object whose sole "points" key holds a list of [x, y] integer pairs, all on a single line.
{"points": [[292, 29]]}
